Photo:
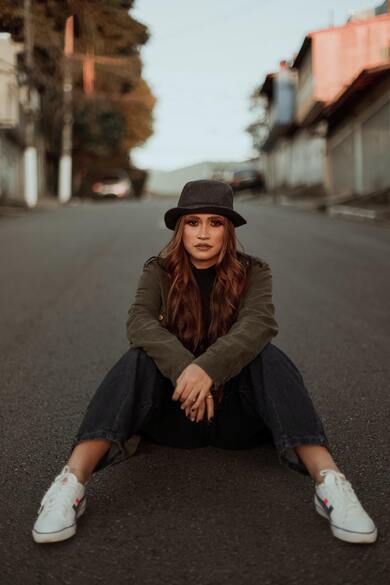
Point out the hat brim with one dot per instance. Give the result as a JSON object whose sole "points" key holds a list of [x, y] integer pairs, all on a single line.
{"points": [[172, 215]]}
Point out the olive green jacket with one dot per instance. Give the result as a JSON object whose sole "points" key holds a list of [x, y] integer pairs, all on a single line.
{"points": [[254, 327]]}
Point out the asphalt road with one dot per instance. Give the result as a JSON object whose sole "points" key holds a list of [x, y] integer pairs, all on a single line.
{"points": [[205, 516]]}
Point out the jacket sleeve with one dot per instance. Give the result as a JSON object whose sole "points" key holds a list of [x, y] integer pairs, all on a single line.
{"points": [[254, 327], [144, 329]]}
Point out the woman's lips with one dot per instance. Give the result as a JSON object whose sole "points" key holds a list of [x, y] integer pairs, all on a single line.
{"points": [[203, 246]]}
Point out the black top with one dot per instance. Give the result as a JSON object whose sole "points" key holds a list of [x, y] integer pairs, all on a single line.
{"points": [[205, 278]]}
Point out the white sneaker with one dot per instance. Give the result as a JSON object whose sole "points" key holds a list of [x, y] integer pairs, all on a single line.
{"points": [[336, 501], [60, 507]]}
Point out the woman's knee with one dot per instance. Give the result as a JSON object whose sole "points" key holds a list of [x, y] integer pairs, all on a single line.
{"points": [[139, 355], [270, 354], [136, 351], [273, 357], [138, 361], [269, 349]]}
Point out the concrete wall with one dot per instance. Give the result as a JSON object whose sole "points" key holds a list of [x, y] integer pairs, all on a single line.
{"points": [[359, 149], [376, 149], [296, 161], [11, 170], [305, 88]]}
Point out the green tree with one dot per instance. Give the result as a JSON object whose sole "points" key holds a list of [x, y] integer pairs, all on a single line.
{"points": [[119, 114]]}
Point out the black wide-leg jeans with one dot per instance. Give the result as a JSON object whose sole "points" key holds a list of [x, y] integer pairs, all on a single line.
{"points": [[267, 403]]}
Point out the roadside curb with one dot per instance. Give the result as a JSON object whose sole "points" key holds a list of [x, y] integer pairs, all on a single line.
{"points": [[16, 208], [359, 213], [379, 214]]}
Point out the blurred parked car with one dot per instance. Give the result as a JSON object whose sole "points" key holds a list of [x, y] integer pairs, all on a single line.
{"points": [[247, 179], [225, 175], [138, 178], [111, 184]]}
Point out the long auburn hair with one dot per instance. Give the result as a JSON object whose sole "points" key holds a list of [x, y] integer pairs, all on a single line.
{"points": [[184, 306]]}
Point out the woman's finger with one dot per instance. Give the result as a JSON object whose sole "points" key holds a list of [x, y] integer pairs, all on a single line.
{"points": [[190, 400], [191, 413], [180, 387], [200, 412], [185, 395], [201, 397], [210, 408]]}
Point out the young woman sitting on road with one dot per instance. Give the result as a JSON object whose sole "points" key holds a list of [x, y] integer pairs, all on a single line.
{"points": [[201, 370]]}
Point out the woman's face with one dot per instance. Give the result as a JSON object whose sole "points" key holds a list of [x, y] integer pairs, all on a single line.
{"points": [[203, 237]]}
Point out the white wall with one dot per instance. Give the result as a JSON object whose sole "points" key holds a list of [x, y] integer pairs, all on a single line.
{"points": [[296, 161]]}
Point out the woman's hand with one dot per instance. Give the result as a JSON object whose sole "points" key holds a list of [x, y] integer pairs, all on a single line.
{"points": [[192, 387], [198, 414]]}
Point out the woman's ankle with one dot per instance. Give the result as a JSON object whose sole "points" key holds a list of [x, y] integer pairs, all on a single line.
{"points": [[82, 475], [318, 478], [316, 458]]}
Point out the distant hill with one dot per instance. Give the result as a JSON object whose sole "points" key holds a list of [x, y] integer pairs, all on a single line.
{"points": [[171, 182]]}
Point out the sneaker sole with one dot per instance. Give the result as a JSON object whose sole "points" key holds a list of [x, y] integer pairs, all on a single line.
{"points": [[346, 535], [43, 537]]}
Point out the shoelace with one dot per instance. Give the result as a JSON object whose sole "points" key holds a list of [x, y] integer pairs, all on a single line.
{"points": [[62, 496], [347, 490]]}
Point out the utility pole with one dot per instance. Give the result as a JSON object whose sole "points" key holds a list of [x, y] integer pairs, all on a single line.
{"points": [[65, 168], [30, 162]]}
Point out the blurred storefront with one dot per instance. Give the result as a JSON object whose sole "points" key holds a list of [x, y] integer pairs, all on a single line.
{"points": [[359, 135], [318, 144], [12, 126]]}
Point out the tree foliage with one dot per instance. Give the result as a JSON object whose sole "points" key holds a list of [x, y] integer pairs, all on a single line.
{"points": [[258, 129], [119, 114]]}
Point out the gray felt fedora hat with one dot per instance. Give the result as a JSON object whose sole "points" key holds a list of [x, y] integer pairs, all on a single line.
{"points": [[204, 196]]}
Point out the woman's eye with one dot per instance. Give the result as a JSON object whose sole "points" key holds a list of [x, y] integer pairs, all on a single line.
{"points": [[215, 222]]}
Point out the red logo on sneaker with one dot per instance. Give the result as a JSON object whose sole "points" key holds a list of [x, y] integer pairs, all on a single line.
{"points": [[327, 505]]}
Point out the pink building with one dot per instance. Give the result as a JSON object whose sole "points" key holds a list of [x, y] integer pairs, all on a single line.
{"points": [[331, 58]]}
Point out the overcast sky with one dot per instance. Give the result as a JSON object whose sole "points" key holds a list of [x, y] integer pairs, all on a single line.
{"points": [[204, 59]]}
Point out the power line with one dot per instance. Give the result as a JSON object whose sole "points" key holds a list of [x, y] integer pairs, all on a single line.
{"points": [[203, 24]]}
